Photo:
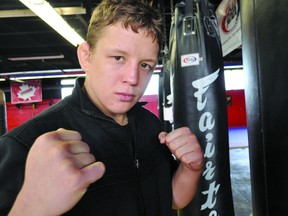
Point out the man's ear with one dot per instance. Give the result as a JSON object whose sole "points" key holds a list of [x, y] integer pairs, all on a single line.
{"points": [[83, 53]]}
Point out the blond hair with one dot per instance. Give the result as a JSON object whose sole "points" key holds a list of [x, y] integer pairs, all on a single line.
{"points": [[131, 13]]}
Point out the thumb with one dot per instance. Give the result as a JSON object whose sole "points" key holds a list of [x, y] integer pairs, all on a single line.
{"points": [[162, 137], [93, 172]]}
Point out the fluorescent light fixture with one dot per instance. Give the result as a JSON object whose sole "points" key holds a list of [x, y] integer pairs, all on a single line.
{"points": [[31, 58], [47, 77], [48, 14], [29, 13], [42, 74]]}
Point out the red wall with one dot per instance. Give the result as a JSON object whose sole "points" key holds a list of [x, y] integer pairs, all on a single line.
{"points": [[17, 114], [236, 109], [152, 104]]}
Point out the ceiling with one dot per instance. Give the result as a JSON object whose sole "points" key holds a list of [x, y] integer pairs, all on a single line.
{"points": [[29, 36], [23, 35]]}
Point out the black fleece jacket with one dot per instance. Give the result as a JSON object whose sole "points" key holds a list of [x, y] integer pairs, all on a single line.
{"points": [[139, 169]]}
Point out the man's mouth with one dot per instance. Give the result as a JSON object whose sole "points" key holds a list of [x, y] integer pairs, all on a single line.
{"points": [[125, 97]]}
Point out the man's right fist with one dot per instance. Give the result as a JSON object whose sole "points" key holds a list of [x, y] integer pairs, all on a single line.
{"points": [[59, 169]]}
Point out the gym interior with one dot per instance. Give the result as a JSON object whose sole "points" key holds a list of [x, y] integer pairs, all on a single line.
{"points": [[38, 68]]}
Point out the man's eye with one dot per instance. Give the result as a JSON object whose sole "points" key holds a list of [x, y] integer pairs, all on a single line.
{"points": [[146, 66], [118, 58]]}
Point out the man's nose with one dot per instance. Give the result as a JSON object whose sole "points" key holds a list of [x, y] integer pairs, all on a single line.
{"points": [[131, 74]]}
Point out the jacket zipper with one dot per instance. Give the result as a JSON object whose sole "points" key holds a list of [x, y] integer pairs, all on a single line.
{"points": [[133, 151], [137, 164]]}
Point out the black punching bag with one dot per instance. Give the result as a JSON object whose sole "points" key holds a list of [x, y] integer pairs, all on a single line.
{"points": [[3, 122], [199, 102], [164, 94], [265, 51]]}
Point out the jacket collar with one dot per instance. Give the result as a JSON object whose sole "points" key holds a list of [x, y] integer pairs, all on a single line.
{"points": [[80, 95]]}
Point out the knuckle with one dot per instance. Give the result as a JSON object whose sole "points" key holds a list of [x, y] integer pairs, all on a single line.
{"points": [[45, 138], [177, 153], [185, 159]]}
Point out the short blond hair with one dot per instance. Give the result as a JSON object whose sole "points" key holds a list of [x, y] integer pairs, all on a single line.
{"points": [[132, 13]]}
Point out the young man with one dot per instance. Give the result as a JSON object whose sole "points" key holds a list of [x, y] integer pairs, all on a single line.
{"points": [[98, 152]]}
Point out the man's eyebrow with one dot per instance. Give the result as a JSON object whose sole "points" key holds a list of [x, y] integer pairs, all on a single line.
{"points": [[150, 60], [117, 50], [123, 52]]}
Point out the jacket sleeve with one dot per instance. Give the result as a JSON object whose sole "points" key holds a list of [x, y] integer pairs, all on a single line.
{"points": [[12, 168]]}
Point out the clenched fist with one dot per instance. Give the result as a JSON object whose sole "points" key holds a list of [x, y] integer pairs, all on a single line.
{"points": [[184, 146], [59, 169]]}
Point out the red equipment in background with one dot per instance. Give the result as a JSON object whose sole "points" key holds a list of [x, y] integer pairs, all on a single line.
{"points": [[17, 114]]}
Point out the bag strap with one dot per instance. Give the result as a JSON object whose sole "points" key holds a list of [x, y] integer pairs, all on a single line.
{"points": [[189, 8]]}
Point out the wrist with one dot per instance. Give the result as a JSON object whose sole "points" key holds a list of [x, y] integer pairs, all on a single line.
{"points": [[24, 206]]}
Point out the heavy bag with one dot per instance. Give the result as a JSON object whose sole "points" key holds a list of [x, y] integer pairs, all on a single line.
{"points": [[265, 49], [164, 96], [3, 122], [199, 102]]}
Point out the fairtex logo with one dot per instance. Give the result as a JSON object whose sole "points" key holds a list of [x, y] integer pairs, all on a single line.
{"points": [[206, 125], [190, 59]]}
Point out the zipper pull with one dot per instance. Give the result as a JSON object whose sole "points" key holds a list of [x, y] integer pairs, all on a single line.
{"points": [[137, 164]]}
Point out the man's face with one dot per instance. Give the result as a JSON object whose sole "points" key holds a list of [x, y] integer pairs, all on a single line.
{"points": [[120, 68]]}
